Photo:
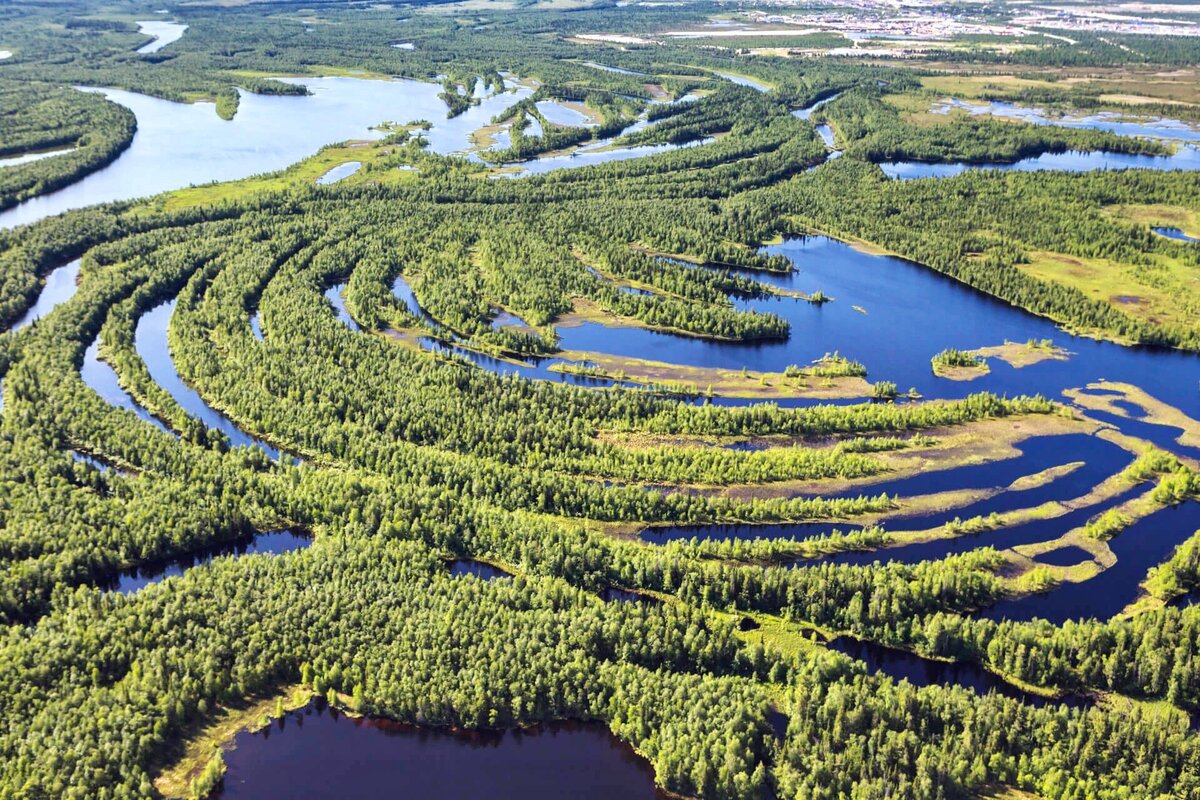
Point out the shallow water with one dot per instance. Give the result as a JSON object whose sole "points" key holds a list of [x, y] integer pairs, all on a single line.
{"points": [[1139, 547], [95, 463], [256, 326], [1036, 454], [469, 566], [25, 158], [585, 157], [617, 70], [1039, 453], [806, 112], [1122, 124], [1187, 158], [334, 295], [614, 595], [315, 753], [826, 134], [339, 172], [898, 295], [743, 80], [1037, 530], [150, 340], [507, 319], [1175, 233], [559, 114], [273, 542], [1064, 557]]}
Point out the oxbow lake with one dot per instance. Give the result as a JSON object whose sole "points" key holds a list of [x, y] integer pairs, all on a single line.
{"points": [[875, 299]]}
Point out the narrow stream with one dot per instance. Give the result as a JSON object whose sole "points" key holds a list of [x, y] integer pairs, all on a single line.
{"points": [[150, 340], [164, 33], [102, 379], [59, 287], [1139, 547], [902, 665], [274, 542]]}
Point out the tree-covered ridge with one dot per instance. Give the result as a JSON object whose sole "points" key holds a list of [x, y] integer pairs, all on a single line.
{"points": [[396, 459], [39, 117]]}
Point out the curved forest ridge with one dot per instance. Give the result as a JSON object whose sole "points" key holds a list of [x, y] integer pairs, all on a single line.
{"points": [[582, 399]]}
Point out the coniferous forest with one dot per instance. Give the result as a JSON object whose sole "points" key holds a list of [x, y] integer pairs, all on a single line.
{"points": [[570, 344]]}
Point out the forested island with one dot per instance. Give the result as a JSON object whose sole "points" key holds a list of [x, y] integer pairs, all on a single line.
{"points": [[589, 399]]}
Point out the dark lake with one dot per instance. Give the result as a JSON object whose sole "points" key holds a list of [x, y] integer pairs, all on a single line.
{"points": [[903, 665], [315, 753]]}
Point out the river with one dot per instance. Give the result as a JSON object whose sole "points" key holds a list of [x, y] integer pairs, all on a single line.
{"points": [[181, 144]]}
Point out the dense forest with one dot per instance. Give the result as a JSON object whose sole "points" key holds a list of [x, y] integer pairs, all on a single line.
{"points": [[39, 118], [372, 430]]}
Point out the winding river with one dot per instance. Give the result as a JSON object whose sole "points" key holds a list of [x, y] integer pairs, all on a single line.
{"points": [[163, 32], [150, 340], [181, 144], [875, 299], [272, 542]]}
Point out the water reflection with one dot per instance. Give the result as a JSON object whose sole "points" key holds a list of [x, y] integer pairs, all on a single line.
{"points": [[334, 295], [340, 171], [26, 158], [163, 32], [275, 542], [617, 70], [744, 80], [807, 112], [559, 114], [478, 569], [102, 379], [1031, 532], [826, 134], [1100, 458], [1123, 124], [1186, 158], [1139, 547], [180, 144], [590, 155], [333, 756], [614, 594], [95, 463], [1064, 557], [1175, 233]]}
